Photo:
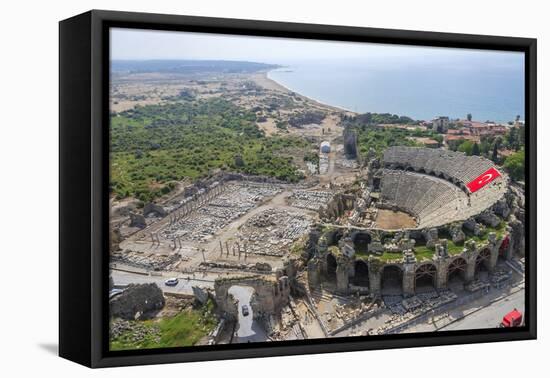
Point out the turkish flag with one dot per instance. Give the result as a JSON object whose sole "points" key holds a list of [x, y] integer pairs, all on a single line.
{"points": [[482, 180]]}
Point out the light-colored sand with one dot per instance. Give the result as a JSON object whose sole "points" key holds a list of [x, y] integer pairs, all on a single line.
{"points": [[393, 220], [264, 81]]}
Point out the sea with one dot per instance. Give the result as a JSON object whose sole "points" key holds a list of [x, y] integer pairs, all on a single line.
{"points": [[488, 85]]}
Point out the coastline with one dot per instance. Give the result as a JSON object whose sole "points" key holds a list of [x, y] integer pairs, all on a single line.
{"points": [[273, 84]]}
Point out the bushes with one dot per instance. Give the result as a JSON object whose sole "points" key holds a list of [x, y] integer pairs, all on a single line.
{"points": [[515, 165], [189, 140]]}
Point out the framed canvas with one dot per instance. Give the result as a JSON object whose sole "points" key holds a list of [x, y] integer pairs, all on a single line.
{"points": [[235, 188]]}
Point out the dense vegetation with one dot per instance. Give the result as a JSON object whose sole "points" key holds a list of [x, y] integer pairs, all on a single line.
{"points": [[515, 165], [489, 147], [379, 118], [377, 139], [154, 145], [306, 118], [380, 139]]}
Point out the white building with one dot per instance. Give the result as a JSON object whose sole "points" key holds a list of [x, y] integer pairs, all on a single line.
{"points": [[325, 147]]}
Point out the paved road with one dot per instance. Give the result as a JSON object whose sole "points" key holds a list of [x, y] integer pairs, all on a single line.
{"points": [[248, 329], [183, 287], [490, 316]]}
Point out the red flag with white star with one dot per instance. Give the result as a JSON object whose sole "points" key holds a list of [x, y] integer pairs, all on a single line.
{"points": [[482, 180]]}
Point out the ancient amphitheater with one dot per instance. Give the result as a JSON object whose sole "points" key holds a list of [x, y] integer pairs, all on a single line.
{"points": [[458, 234], [430, 184], [318, 251]]}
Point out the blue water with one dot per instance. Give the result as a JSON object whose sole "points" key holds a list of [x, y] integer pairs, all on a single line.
{"points": [[488, 85]]}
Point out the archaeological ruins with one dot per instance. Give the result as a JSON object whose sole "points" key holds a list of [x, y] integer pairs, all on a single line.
{"points": [[398, 236]]}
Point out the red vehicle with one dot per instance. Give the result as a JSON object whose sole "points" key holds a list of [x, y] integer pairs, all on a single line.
{"points": [[512, 319]]}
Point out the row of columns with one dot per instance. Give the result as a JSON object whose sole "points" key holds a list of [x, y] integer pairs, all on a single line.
{"points": [[234, 251], [195, 203]]}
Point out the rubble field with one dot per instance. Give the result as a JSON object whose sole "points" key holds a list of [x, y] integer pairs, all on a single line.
{"points": [[273, 231], [309, 200], [237, 200]]}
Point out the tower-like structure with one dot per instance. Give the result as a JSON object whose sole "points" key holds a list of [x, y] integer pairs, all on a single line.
{"points": [[350, 143]]}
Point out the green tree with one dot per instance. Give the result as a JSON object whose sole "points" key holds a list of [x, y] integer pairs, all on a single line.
{"points": [[439, 139], [239, 162], [466, 147], [515, 165], [469, 116], [494, 156], [521, 136], [513, 139], [475, 149]]}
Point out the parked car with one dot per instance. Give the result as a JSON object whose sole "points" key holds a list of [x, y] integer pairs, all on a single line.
{"points": [[171, 282], [245, 310], [512, 319]]}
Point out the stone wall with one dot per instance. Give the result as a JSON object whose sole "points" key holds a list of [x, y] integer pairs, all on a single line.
{"points": [[270, 294], [409, 266], [350, 143]]}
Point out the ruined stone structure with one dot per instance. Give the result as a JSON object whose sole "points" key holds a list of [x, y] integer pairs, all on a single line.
{"points": [[138, 301], [137, 220], [270, 295], [440, 124], [154, 209], [337, 206], [431, 186], [350, 143], [115, 239], [348, 268]]}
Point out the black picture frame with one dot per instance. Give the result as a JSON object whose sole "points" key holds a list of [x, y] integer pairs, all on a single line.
{"points": [[84, 167]]}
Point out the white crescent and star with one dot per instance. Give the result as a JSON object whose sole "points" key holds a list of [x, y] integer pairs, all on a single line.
{"points": [[485, 178]]}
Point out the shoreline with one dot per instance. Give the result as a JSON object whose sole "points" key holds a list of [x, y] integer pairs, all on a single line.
{"points": [[281, 87], [286, 89]]}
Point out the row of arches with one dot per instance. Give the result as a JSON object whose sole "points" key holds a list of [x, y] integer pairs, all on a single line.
{"points": [[425, 275], [361, 240]]}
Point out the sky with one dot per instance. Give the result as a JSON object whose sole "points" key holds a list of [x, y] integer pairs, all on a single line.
{"points": [[147, 44]]}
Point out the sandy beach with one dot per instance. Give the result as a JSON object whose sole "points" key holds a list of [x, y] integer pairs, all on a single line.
{"points": [[266, 82]]}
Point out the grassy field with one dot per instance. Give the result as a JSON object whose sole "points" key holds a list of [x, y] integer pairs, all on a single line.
{"points": [[184, 329], [423, 253], [499, 230]]}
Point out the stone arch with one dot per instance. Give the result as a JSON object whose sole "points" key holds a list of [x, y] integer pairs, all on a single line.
{"points": [[268, 295], [334, 236], [483, 260], [332, 264], [457, 269], [425, 277], [376, 183], [392, 279], [419, 239], [361, 277], [361, 241], [241, 295]]}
